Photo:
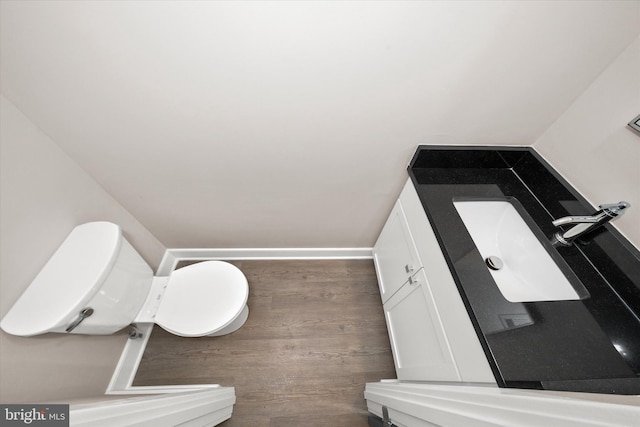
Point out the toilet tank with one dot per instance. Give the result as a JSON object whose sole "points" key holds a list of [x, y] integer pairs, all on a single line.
{"points": [[95, 267]]}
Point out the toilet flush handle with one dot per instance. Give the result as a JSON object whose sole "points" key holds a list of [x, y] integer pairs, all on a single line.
{"points": [[84, 313]]}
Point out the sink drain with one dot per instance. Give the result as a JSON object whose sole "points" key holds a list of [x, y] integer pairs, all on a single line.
{"points": [[494, 263]]}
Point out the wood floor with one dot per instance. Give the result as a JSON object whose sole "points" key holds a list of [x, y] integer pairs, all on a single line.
{"points": [[315, 335]]}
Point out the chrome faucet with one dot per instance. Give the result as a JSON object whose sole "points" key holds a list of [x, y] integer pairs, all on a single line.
{"points": [[585, 224]]}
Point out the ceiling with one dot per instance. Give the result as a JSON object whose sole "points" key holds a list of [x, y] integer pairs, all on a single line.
{"points": [[290, 124]]}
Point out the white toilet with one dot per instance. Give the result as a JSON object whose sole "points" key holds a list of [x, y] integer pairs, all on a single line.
{"points": [[96, 284]]}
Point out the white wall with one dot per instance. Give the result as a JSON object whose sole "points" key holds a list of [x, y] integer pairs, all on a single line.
{"points": [[44, 195], [592, 146], [290, 124]]}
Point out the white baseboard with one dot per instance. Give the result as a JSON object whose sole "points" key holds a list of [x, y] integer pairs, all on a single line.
{"points": [[125, 372], [122, 378], [173, 256]]}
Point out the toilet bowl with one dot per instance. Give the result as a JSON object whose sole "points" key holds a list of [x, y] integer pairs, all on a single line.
{"points": [[204, 299], [97, 284]]}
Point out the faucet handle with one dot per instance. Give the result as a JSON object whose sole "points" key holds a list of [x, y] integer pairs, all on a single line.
{"points": [[615, 209], [576, 220], [610, 210]]}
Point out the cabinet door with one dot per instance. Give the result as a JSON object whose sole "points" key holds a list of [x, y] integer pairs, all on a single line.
{"points": [[420, 348], [394, 254]]}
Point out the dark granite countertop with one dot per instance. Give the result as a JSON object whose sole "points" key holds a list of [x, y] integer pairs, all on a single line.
{"points": [[591, 344]]}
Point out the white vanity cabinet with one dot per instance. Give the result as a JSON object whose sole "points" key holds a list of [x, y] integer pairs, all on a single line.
{"points": [[431, 335]]}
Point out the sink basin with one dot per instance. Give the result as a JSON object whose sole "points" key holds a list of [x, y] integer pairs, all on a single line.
{"points": [[527, 271]]}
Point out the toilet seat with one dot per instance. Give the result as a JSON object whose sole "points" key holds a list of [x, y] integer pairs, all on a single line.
{"points": [[202, 298]]}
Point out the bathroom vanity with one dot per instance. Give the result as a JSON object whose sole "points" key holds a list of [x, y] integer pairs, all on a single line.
{"points": [[448, 320]]}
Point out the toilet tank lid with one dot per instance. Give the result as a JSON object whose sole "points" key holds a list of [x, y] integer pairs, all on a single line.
{"points": [[67, 281]]}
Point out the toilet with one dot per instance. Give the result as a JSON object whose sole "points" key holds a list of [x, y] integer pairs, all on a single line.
{"points": [[97, 284]]}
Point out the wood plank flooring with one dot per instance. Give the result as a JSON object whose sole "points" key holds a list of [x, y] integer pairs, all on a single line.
{"points": [[315, 335]]}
